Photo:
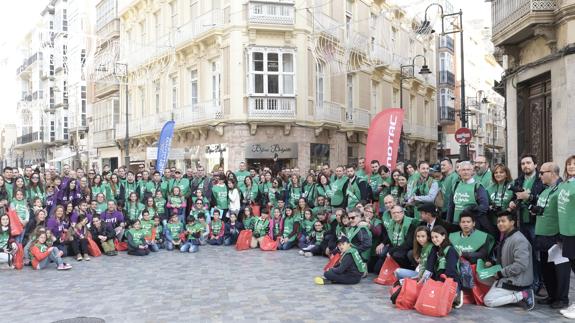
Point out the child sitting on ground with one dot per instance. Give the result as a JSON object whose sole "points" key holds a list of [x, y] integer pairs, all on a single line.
{"points": [[314, 240], [349, 269]]}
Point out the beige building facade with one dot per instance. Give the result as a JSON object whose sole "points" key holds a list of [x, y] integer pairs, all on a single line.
{"points": [[255, 80], [535, 42]]}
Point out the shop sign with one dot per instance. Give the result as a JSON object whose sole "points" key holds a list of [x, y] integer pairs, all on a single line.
{"points": [[175, 153], [271, 150]]}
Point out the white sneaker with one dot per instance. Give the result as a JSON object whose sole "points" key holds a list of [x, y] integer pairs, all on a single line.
{"points": [[301, 252], [569, 311], [308, 254]]}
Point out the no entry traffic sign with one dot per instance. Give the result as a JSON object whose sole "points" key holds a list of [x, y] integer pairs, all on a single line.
{"points": [[463, 136]]}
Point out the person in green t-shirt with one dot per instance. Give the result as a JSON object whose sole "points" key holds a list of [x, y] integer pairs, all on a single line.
{"points": [[315, 241], [291, 228], [147, 223], [261, 228], [217, 229], [137, 245], [349, 269], [421, 248], [471, 244], [193, 232], [248, 218], [172, 232], [483, 174], [566, 209]]}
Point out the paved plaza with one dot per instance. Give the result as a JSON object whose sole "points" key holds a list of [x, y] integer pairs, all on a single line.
{"points": [[217, 284]]}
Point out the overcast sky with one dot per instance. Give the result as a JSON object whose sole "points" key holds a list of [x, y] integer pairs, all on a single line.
{"points": [[21, 16]]}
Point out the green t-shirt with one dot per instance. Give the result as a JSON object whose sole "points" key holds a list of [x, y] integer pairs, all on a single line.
{"points": [[261, 227], [241, 176], [133, 211], [527, 185], [566, 207], [174, 229], [147, 226], [547, 224], [137, 236], [486, 179], [220, 193], [463, 197], [446, 186], [471, 243], [336, 193], [21, 208]]}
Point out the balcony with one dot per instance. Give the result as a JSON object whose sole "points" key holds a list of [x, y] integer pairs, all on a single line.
{"points": [[327, 26], [446, 42], [415, 131], [149, 124], [27, 63], [197, 114], [271, 13], [104, 138], [139, 54], [30, 139], [446, 115], [108, 31], [512, 19], [271, 108], [329, 112], [358, 118], [196, 27], [357, 41], [446, 78]]}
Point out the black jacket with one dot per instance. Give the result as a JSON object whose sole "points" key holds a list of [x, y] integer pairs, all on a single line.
{"points": [[536, 189], [103, 231], [450, 227]]}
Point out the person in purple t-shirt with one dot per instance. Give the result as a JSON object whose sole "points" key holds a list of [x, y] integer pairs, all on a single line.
{"points": [[82, 209], [114, 219]]}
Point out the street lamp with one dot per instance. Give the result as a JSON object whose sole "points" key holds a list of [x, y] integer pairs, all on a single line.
{"points": [[426, 24], [405, 76], [121, 70]]}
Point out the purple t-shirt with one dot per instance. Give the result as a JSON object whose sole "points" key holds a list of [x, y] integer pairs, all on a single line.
{"points": [[57, 227], [75, 215], [112, 219]]}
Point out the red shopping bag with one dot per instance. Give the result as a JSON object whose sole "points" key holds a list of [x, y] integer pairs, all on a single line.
{"points": [[244, 240], [256, 209], [268, 244], [408, 294], [16, 226], [387, 272], [19, 257], [436, 298], [468, 297], [479, 289], [120, 246], [93, 249], [333, 260]]}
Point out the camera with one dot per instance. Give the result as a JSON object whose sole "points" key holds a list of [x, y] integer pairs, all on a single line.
{"points": [[535, 209], [495, 208], [516, 188]]}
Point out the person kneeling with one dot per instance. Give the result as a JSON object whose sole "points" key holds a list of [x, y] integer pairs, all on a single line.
{"points": [[136, 243], [348, 270], [513, 281]]}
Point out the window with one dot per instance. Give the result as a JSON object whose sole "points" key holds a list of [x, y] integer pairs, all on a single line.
{"points": [[193, 9], [157, 95], [174, 13], [83, 57], [142, 32], [396, 98], [272, 72], [348, 24], [64, 20], [374, 96], [65, 128], [52, 130], [157, 24], [319, 85], [319, 154], [142, 101], [216, 83], [174, 92], [51, 64], [349, 94], [105, 12], [65, 94], [194, 87], [83, 107]]}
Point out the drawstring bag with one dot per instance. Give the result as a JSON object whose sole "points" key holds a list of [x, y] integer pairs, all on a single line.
{"points": [[333, 260], [408, 295], [93, 249], [387, 273], [268, 244], [436, 298], [244, 240]]}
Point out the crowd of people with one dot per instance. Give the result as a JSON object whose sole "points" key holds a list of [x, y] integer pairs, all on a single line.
{"points": [[433, 220]]}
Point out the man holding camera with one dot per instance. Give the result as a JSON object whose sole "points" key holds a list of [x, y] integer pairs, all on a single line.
{"points": [[526, 189], [555, 275]]}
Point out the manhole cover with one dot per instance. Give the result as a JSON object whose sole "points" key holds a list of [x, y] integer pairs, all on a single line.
{"points": [[81, 320]]}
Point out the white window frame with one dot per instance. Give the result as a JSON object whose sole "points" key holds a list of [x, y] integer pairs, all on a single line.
{"points": [[194, 93], [349, 92], [374, 96], [174, 92], [157, 24], [157, 99], [281, 74], [174, 13], [216, 82], [319, 84]]}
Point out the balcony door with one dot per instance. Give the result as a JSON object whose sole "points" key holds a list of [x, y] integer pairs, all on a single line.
{"points": [[534, 119]]}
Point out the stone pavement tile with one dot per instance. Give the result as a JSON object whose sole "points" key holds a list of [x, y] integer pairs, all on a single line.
{"points": [[218, 284]]}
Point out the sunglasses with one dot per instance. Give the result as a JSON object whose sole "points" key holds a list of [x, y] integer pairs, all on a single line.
{"points": [[351, 217]]}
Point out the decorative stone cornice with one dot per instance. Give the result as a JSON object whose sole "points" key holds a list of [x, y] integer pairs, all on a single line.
{"points": [[547, 32]]}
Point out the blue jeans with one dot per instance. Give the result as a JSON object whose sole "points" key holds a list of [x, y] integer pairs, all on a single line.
{"points": [[169, 245], [216, 242], [402, 273], [153, 247], [302, 242], [190, 247], [52, 257], [528, 231], [286, 246]]}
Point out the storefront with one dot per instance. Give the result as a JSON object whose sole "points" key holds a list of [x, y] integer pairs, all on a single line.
{"points": [[260, 155]]}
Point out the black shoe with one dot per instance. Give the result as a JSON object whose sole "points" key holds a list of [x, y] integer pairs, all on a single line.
{"points": [[546, 301], [559, 305], [541, 293]]}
